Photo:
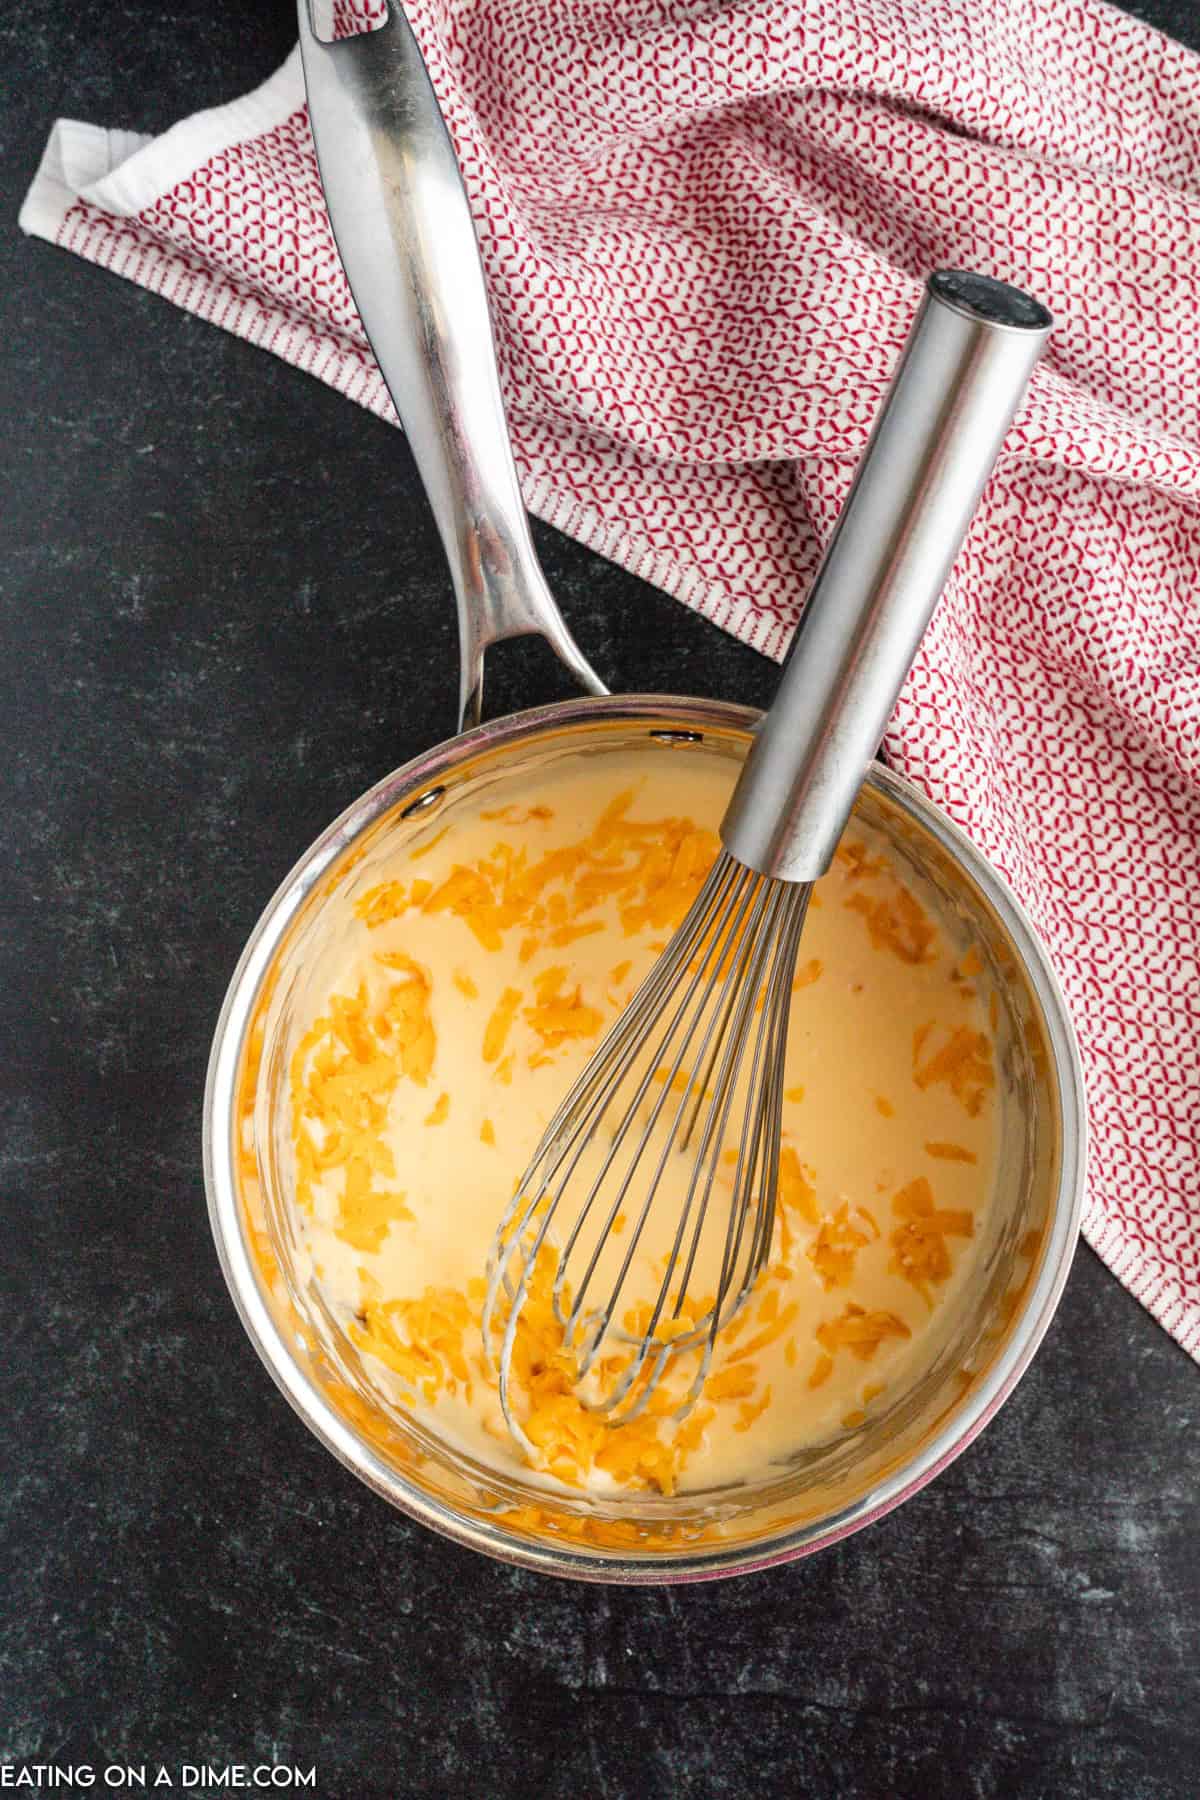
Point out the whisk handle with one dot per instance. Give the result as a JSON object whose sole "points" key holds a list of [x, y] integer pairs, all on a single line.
{"points": [[960, 379]]}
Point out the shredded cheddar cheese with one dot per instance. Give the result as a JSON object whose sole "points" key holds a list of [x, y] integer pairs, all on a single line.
{"points": [[860, 1331], [834, 1250], [950, 1153], [963, 1063], [897, 923], [919, 1250]]}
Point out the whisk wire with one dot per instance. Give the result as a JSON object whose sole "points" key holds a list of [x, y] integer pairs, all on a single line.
{"points": [[752, 951], [709, 954], [756, 1102], [718, 1025], [762, 1114], [712, 956], [767, 1125], [635, 1025], [693, 1020]]}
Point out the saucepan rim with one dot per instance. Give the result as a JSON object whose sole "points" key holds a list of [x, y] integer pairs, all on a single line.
{"points": [[493, 1538]]}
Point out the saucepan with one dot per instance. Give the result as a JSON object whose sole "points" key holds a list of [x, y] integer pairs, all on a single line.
{"points": [[404, 231]]}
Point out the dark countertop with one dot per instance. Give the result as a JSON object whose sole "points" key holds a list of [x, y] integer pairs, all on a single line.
{"points": [[225, 614]]}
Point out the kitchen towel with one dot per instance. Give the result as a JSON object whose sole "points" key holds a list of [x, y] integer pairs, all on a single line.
{"points": [[704, 225]]}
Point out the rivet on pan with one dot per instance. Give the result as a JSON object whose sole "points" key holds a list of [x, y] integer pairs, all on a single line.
{"points": [[678, 737], [423, 802]]}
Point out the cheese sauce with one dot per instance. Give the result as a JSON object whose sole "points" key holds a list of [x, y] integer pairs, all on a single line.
{"points": [[482, 966]]}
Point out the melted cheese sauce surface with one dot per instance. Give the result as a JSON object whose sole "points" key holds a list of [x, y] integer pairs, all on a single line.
{"points": [[482, 966]]}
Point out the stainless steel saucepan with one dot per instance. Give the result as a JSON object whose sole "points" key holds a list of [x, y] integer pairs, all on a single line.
{"points": [[404, 231]]}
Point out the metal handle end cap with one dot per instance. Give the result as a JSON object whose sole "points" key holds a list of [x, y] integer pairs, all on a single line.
{"points": [[988, 301]]}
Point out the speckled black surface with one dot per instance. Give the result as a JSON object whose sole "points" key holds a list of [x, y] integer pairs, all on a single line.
{"points": [[224, 614]]}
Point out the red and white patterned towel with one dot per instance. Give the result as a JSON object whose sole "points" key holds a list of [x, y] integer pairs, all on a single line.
{"points": [[704, 226]]}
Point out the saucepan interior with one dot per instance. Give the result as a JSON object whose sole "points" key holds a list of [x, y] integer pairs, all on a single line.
{"points": [[984, 1342]]}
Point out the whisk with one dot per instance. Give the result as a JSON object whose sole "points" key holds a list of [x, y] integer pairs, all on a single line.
{"points": [[667, 1148]]}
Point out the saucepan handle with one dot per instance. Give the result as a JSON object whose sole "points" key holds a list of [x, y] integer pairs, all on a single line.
{"points": [[403, 228]]}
